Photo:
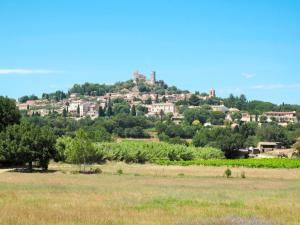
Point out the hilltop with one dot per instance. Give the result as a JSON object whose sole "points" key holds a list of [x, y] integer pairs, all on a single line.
{"points": [[151, 96]]}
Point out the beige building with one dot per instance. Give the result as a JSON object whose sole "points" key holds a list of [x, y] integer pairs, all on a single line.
{"points": [[138, 77], [219, 108], [281, 117], [246, 117], [268, 146], [165, 107]]}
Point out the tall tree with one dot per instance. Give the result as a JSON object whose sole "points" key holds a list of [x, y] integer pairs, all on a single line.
{"points": [[78, 110], [9, 113], [65, 113], [81, 149], [101, 112], [133, 110]]}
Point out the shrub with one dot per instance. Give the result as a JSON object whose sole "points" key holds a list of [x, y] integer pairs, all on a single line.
{"points": [[243, 175], [119, 171], [97, 171], [210, 153], [227, 173]]}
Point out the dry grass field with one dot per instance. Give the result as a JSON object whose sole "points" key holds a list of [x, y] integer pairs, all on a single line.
{"points": [[150, 195]]}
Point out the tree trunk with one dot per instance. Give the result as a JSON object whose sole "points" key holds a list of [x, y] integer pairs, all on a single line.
{"points": [[84, 165]]}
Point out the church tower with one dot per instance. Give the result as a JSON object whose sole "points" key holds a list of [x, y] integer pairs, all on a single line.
{"points": [[153, 78], [212, 93]]}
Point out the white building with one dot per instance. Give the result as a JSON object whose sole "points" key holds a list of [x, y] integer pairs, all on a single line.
{"points": [[88, 109], [220, 108], [73, 106], [156, 108], [83, 109]]}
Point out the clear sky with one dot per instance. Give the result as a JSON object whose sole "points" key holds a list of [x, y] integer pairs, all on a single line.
{"points": [[235, 46]]}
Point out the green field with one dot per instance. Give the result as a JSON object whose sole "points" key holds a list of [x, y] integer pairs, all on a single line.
{"points": [[150, 194], [252, 163]]}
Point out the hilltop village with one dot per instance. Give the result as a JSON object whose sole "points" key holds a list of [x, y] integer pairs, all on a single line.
{"points": [[148, 97]]}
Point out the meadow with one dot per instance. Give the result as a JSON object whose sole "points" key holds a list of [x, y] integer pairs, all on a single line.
{"points": [[150, 194]]}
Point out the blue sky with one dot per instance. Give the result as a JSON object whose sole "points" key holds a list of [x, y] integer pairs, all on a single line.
{"points": [[235, 46]]}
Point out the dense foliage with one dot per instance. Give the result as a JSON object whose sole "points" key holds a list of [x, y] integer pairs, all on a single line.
{"points": [[100, 89], [25, 144], [57, 96], [122, 125], [136, 151], [9, 113], [25, 98]]}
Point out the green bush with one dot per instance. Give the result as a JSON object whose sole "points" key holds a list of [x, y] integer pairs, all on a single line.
{"points": [[119, 172], [98, 171], [227, 173], [210, 153]]}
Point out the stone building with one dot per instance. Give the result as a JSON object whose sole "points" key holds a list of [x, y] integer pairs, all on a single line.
{"points": [[212, 93], [138, 78], [156, 108]]}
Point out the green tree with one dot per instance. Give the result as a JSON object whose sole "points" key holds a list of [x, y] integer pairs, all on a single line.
{"points": [[121, 108], [81, 150], [26, 144], [61, 145], [236, 116], [148, 101], [161, 115], [25, 98], [9, 113], [109, 111], [190, 115], [133, 110], [65, 113], [194, 100], [201, 139], [78, 110], [274, 133], [101, 112], [141, 110]]}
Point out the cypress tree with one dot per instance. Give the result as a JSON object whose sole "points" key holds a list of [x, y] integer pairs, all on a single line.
{"points": [[133, 110]]}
